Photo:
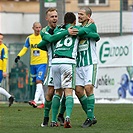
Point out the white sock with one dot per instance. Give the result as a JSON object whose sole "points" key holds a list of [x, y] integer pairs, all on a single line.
{"points": [[4, 92], [39, 92], [42, 98]]}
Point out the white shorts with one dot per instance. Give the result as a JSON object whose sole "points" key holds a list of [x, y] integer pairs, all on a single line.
{"points": [[49, 78], [86, 75], [63, 76]]}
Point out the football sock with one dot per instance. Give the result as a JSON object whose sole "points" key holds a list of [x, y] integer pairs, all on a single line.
{"points": [[47, 108], [4, 92], [90, 106], [55, 107], [42, 98], [62, 105], [38, 92], [83, 101], [69, 105]]}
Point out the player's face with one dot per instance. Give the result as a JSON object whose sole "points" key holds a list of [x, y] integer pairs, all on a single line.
{"points": [[1, 39], [37, 28], [83, 17], [52, 18]]}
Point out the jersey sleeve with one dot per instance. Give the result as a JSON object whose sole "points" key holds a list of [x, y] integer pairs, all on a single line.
{"points": [[23, 51], [89, 31], [42, 45], [25, 48], [92, 35], [27, 43], [5, 58], [4, 64], [48, 38], [43, 31], [56, 37]]}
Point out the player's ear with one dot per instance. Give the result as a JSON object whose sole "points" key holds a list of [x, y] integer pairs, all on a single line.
{"points": [[46, 18], [88, 16], [75, 22]]}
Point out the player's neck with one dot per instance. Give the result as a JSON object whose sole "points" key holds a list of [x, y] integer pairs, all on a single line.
{"points": [[84, 23]]}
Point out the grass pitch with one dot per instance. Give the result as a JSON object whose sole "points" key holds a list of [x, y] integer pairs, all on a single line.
{"points": [[22, 118]]}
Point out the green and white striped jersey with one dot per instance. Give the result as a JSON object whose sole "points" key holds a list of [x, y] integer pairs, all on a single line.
{"points": [[67, 45], [86, 54]]}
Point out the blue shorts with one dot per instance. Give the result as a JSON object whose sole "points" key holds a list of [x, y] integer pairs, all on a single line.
{"points": [[38, 72], [1, 75]]}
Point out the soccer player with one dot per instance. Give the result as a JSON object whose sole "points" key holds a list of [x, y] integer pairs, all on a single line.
{"points": [[38, 63], [86, 70], [51, 18], [3, 67], [63, 65]]}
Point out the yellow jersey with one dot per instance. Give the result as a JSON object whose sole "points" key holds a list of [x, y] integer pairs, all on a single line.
{"points": [[37, 56], [3, 57]]}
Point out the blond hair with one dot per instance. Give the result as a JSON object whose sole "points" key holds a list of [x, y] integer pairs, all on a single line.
{"points": [[51, 9]]}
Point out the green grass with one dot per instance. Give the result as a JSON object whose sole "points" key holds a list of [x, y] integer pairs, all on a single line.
{"points": [[22, 118]]}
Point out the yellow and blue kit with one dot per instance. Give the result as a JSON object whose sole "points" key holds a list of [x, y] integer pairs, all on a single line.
{"points": [[3, 60], [38, 57]]}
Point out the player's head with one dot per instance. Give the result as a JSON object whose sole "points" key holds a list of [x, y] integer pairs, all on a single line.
{"points": [[1, 38], [84, 15], [37, 28], [52, 17], [70, 18]]}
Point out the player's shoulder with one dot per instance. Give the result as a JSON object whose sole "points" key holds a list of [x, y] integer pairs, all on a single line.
{"points": [[4, 45], [92, 26], [77, 27], [89, 24], [44, 29], [59, 26], [31, 35]]}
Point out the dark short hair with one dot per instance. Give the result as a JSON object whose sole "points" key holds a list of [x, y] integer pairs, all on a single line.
{"points": [[69, 18]]}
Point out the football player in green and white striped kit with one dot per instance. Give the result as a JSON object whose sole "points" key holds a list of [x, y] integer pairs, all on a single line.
{"points": [[86, 70], [63, 67], [51, 18]]}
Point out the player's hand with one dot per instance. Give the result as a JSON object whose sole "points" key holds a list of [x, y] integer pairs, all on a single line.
{"points": [[73, 31], [16, 59], [91, 21]]}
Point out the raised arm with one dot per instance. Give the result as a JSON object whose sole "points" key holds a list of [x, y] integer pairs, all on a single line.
{"points": [[56, 37], [89, 31], [59, 34]]}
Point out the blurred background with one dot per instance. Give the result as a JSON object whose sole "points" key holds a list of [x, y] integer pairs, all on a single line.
{"points": [[114, 20]]}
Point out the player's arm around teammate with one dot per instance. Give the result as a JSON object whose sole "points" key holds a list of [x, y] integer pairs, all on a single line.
{"points": [[86, 70]]}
